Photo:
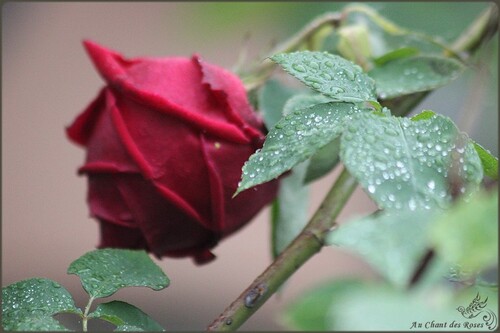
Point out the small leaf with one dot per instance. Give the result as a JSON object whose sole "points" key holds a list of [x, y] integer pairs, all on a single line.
{"points": [[295, 138], [402, 52], [328, 74], [125, 315], [30, 304], [424, 115], [409, 75], [489, 162], [404, 164], [103, 272], [393, 243], [272, 97], [290, 212], [467, 234]]}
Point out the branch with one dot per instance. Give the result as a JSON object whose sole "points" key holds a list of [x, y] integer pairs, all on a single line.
{"points": [[310, 240]]}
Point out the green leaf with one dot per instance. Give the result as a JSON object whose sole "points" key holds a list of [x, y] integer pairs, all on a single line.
{"points": [[295, 138], [402, 52], [409, 75], [310, 311], [323, 161], [30, 304], [272, 98], [125, 315], [38, 323], [290, 212], [405, 164], [328, 74], [393, 243], [489, 162], [467, 234], [351, 305], [103, 272], [381, 308], [326, 157]]}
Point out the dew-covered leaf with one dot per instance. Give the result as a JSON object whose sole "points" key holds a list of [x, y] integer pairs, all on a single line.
{"points": [[290, 210], [326, 157], [272, 98], [402, 163], [328, 74], [103, 272], [467, 234], [405, 76], [38, 323], [489, 162], [295, 138], [393, 242], [124, 315], [30, 305]]}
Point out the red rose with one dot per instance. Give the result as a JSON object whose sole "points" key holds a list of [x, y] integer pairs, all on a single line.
{"points": [[166, 140]]}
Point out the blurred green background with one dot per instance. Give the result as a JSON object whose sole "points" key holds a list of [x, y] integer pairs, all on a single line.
{"points": [[47, 79]]}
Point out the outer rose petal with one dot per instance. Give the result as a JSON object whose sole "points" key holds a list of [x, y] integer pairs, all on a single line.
{"points": [[171, 85]]}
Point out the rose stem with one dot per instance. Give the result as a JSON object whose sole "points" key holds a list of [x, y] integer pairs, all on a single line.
{"points": [[310, 240]]}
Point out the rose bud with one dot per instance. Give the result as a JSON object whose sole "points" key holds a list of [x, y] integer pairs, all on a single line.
{"points": [[166, 139]]}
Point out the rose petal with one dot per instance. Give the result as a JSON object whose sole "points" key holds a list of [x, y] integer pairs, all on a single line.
{"points": [[106, 202], [165, 227], [171, 85], [116, 236]]}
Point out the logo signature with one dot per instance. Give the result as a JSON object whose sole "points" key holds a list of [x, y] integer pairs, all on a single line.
{"points": [[477, 308]]}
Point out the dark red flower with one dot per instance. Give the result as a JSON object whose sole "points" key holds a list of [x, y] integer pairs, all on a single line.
{"points": [[166, 140]]}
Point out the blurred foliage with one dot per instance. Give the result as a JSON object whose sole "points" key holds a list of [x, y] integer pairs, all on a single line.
{"points": [[288, 17]]}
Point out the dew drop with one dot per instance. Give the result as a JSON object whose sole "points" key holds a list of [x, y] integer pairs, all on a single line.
{"points": [[412, 204], [299, 68], [371, 188]]}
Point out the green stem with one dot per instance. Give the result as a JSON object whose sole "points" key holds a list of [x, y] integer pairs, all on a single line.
{"points": [[308, 243], [310, 240], [85, 314]]}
